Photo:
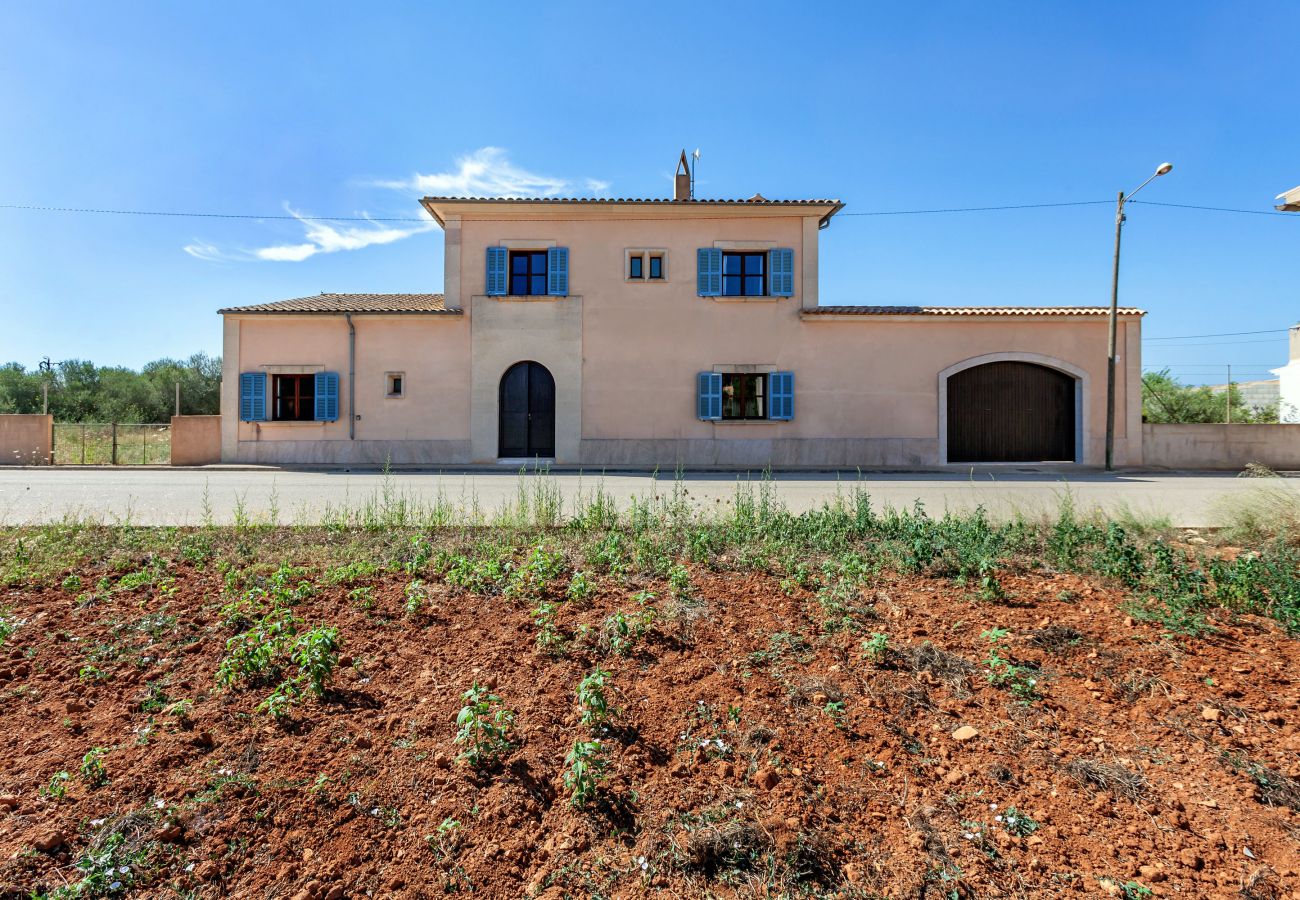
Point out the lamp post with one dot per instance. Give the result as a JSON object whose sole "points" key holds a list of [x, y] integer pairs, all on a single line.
{"points": [[1163, 169]]}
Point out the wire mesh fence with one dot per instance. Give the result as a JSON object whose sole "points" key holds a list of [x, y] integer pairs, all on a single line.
{"points": [[111, 444]]}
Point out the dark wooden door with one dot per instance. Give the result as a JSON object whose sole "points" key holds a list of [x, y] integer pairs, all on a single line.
{"points": [[527, 412], [1010, 412]]}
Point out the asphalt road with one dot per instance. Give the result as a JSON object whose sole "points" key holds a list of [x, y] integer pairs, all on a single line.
{"points": [[188, 497]]}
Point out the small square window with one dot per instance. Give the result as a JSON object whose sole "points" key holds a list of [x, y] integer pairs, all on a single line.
{"points": [[645, 264], [396, 384]]}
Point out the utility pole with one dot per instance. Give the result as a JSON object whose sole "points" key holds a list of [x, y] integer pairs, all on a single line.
{"points": [[1163, 169], [1228, 416]]}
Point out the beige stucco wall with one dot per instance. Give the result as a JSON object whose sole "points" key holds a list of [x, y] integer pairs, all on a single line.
{"points": [[26, 440], [195, 440], [429, 424], [625, 355], [1221, 446], [867, 389]]}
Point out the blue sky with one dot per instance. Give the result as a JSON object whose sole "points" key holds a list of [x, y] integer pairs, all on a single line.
{"points": [[351, 110]]}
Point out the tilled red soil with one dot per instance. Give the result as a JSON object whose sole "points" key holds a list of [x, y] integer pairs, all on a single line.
{"points": [[756, 756]]}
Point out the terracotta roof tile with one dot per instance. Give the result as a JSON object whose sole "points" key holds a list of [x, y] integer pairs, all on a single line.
{"points": [[335, 304], [969, 311], [658, 201]]}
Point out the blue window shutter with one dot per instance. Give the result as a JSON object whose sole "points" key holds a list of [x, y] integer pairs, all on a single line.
{"points": [[557, 271], [708, 275], [781, 266], [252, 397], [708, 396], [327, 396], [781, 388], [497, 260]]}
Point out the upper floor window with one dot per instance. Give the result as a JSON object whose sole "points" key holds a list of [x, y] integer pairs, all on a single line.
{"points": [[645, 265], [527, 272], [744, 274]]}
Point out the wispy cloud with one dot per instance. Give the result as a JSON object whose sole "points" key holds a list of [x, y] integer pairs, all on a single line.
{"points": [[486, 172], [320, 236], [324, 237]]}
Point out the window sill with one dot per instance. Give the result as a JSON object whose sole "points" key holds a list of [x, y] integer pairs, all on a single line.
{"points": [[729, 423], [765, 299], [524, 298], [281, 423]]}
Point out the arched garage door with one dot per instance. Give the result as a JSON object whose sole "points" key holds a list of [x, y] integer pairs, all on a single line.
{"points": [[1011, 412]]}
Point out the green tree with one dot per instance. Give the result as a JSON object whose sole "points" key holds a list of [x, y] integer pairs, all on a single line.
{"points": [[1166, 400], [80, 391]]}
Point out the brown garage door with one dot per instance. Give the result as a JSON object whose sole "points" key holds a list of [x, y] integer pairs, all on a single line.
{"points": [[1010, 412]]}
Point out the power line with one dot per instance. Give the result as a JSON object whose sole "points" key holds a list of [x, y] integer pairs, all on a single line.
{"points": [[201, 215], [1214, 344], [1181, 337], [1249, 212], [965, 209]]}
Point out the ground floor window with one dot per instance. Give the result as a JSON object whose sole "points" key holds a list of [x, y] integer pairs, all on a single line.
{"points": [[744, 396], [293, 398]]}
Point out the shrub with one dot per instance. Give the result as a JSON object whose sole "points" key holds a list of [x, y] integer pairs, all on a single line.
{"points": [[417, 595], [587, 764], [580, 588], [483, 727], [92, 767], [1022, 681], [596, 710], [876, 647]]}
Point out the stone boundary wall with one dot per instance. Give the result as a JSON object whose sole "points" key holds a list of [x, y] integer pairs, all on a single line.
{"points": [[26, 440], [1221, 446]]}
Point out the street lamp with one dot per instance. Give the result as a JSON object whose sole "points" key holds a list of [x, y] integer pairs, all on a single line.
{"points": [[1163, 169]]}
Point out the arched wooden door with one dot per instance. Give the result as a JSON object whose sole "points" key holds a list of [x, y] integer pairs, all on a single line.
{"points": [[527, 412], [1011, 412]]}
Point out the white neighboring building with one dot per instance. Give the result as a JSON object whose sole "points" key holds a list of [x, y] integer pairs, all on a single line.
{"points": [[1288, 378]]}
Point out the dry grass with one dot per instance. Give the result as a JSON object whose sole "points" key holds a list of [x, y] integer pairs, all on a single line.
{"points": [[1114, 779]]}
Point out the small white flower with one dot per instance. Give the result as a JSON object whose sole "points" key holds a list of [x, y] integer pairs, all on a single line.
{"points": [[997, 818], [993, 806], [375, 811], [969, 836], [115, 885], [160, 804], [96, 822], [190, 867], [739, 805]]}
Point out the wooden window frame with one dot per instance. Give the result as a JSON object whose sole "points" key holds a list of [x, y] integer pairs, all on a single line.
{"points": [[742, 255], [746, 379], [511, 275], [298, 397]]}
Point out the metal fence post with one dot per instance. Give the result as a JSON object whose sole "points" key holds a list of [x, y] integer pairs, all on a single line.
{"points": [[144, 446], [83, 443], [114, 456]]}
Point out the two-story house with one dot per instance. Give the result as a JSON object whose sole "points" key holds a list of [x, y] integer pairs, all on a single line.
{"points": [[687, 332]]}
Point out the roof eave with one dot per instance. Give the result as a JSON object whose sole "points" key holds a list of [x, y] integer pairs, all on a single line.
{"points": [[236, 311]]}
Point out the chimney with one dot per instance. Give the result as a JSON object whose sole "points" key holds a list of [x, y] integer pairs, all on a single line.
{"points": [[1295, 343], [682, 181]]}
